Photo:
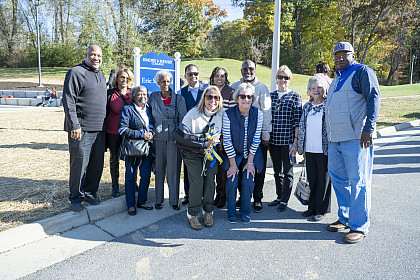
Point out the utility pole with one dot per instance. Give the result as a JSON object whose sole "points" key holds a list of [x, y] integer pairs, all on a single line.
{"points": [[36, 3], [276, 45]]}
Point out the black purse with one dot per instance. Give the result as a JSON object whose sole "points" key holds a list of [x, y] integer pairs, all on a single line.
{"points": [[135, 148]]}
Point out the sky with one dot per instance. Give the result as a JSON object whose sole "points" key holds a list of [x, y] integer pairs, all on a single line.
{"points": [[232, 12]]}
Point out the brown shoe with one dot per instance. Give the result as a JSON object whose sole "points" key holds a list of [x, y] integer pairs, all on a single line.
{"points": [[195, 223], [337, 226], [353, 236], [208, 219]]}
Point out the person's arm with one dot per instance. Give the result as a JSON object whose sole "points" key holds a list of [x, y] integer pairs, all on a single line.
{"points": [[256, 140], [366, 83], [229, 149], [71, 90], [265, 107]]}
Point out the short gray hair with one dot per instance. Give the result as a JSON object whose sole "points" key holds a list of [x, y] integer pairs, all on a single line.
{"points": [[136, 90], [318, 80], [162, 73], [244, 87]]}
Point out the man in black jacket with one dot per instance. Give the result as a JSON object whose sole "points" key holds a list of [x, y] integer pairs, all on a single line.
{"points": [[84, 102]]}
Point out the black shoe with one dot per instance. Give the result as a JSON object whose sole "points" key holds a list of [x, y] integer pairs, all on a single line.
{"points": [[132, 212], [308, 213], [185, 200], [317, 217], [115, 192], [282, 207], [176, 207], [145, 207], [93, 199], [257, 207], [158, 206], [275, 202], [76, 206], [238, 204]]}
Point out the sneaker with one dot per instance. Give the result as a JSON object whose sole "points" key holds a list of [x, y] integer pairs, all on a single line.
{"points": [[76, 206], [275, 202], [257, 207], [337, 226], [93, 199], [246, 219], [232, 220], [317, 217], [208, 219], [282, 207], [195, 223]]}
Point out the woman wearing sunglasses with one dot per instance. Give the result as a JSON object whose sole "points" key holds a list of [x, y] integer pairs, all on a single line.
{"points": [[118, 96], [242, 155], [201, 129], [286, 110]]}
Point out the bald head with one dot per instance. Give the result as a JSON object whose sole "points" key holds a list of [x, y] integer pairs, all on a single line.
{"points": [[248, 71], [94, 56]]}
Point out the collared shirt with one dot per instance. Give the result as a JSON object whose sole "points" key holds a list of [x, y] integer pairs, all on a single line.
{"points": [[286, 112], [193, 91]]}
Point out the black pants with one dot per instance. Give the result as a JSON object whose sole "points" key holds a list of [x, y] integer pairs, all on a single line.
{"points": [[283, 171], [319, 182], [186, 182], [86, 164], [114, 143]]}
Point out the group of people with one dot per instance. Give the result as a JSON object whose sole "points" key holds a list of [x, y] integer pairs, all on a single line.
{"points": [[222, 134]]}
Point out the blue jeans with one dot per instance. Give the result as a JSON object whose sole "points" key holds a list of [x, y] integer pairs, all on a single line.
{"points": [[246, 194], [131, 181], [350, 168]]}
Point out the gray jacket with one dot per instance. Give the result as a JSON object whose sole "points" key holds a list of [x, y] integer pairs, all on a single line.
{"points": [[166, 117]]}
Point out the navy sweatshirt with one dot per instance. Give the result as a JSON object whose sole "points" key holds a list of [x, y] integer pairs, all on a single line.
{"points": [[84, 99]]}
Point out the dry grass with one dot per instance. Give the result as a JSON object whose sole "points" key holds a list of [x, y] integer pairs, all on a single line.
{"points": [[34, 166]]}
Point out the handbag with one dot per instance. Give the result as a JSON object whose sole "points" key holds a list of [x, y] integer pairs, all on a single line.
{"points": [[303, 191], [135, 147]]}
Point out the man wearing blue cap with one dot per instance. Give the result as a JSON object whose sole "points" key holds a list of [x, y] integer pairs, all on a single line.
{"points": [[352, 109]]}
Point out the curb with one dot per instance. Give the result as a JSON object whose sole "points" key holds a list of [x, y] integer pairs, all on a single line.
{"points": [[56, 225]]}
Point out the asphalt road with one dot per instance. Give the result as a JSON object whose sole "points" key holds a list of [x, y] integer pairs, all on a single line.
{"points": [[274, 245]]}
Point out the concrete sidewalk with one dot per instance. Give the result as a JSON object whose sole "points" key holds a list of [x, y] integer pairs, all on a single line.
{"points": [[28, 248]]}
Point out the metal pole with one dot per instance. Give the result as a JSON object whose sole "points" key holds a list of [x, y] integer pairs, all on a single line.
{"points": [[412, 69], [136, 66], [276, 45], [177, 75], [36, 3]]}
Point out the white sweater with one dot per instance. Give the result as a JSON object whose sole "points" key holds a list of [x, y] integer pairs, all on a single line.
{"points": [[196, 122]]}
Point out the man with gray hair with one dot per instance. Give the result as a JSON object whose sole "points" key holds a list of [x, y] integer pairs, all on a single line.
{"points": [[84, 102], [352, 109], [262, 101]]}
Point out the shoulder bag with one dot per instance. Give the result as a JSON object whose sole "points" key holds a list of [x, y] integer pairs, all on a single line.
{"points": [[135, 147], [303, 191]]}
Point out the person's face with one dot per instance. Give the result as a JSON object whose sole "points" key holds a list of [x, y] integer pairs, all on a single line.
{"points": [[94, 57], [342, 59], [248, 71], [164, 83], [245, 99], [123, 80], [316, 91], [192, 76], [283, 81], [140, 98], [220, 78], [212, 100]]}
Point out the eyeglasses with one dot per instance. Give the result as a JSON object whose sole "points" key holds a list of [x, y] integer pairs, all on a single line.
{"points": [[282, 77], [210, 97], [341, 56], [243, 96], [190, 74], [316, 88], [250, 69], [125, 78]]}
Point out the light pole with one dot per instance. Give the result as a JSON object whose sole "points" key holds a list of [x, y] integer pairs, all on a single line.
{"points": [[276, 45], [36, 3]]}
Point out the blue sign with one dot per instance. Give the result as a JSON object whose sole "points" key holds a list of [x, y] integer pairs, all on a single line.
{"points": [[152, 63]]}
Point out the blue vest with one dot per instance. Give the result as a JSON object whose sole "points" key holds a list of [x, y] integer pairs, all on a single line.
{"points": [[189, 99], [237, 133]]}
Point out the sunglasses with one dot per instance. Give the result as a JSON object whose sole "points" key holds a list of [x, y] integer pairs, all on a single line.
{"points": [[210, 97], [243, 96], [190, 74], [282, 77], [125, 78]]}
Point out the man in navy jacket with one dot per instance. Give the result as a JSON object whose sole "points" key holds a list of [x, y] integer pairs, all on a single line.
{"points": [[192, 94]]}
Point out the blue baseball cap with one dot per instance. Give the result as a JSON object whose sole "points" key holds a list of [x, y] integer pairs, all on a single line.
{"points": [[343, 46]]}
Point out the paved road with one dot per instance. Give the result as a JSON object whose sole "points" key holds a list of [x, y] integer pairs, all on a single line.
{"points": [[274, 245]]}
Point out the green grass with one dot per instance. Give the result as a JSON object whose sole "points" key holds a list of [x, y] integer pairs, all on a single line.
{"points": [[401, 90], [57, 72]]}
